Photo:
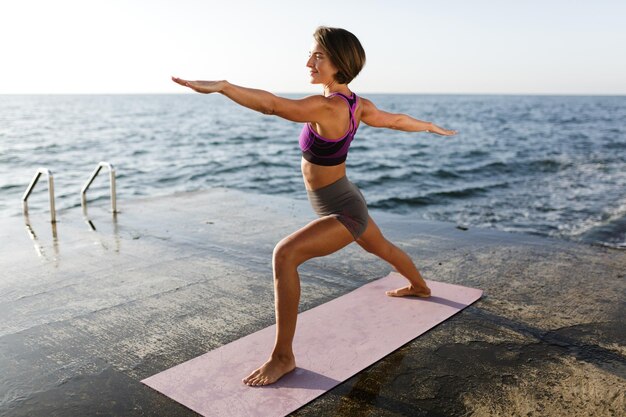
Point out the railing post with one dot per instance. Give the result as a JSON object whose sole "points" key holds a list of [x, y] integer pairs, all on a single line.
{"points": [[94, 174], [113, 191], [29, 190]]}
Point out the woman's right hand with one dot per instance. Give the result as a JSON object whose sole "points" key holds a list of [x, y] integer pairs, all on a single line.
{"points": [[441, 131], [204, 87]]}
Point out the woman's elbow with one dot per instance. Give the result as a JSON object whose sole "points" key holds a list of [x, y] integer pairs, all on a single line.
{"points": [[268, 107], [267, 110]]}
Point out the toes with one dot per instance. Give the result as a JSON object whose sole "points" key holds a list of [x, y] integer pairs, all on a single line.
{"points": [[392, 293], [257, 380], [250, 378], [397, 293], [402, 292]]}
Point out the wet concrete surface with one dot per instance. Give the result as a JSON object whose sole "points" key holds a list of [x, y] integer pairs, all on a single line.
{"points": [[86, 315]]}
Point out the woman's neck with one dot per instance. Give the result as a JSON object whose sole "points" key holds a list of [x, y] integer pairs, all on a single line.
{"points": [[336, 88]]}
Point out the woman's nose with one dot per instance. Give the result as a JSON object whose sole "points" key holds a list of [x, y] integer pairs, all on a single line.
{"points": [[309, 62]]}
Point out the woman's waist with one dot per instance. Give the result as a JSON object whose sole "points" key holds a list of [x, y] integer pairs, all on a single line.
{"points": [[341, 193], [318, 176]]}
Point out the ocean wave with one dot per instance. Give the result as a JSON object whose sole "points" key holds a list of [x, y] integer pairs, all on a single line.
{"points": [[497, 167], [615, 145], [8, 187], [611, 233], [443, 173], [438, 197], [395, 202], [516, 167], [610, 223]]}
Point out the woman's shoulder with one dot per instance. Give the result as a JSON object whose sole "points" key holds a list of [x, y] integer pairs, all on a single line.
{"points": [[367, 105], [332, 104], [322, 101]]}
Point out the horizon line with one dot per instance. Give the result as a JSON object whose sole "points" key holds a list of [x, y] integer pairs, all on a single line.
{"points": [[310, 93]]}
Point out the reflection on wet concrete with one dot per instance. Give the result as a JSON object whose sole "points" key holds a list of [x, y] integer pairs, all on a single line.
{"points": [[175, 277], [41, 252], [90, 224], [109, 240], [101, 238]]}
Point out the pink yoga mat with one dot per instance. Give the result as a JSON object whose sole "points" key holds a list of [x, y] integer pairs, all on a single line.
{"points": [[333, 342]]}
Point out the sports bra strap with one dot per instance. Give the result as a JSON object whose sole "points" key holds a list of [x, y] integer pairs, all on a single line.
{"points": [[351, 106]]}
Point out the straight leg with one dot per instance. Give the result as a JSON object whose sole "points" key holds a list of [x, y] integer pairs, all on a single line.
{"points": [[319, 238], [374, 242]]}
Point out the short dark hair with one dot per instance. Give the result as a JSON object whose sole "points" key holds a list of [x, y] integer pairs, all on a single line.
{"points": [[344, 50]]}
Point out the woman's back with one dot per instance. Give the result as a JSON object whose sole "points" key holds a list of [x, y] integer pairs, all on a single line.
{"points": [[325, 144]]}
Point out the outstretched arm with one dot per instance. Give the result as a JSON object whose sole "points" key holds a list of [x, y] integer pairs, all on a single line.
{"points": [[309, 109], [374, 117]]}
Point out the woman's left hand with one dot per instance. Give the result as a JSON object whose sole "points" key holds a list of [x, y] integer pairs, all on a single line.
{"points": [[204, 87]]}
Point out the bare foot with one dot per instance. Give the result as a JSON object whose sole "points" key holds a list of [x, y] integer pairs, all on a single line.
{"points": [[410, 290], [271, 371]]}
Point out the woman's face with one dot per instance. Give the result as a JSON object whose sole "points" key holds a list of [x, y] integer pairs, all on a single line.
{"points": [[321, 69]]}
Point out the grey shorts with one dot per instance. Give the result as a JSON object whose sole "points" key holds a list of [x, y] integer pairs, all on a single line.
{"points": [[343, 200]]}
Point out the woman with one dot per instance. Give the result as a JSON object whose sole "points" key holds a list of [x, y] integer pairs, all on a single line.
{"points": [[331, 121]]}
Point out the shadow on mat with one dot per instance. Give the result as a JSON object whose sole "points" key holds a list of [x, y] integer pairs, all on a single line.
{"points": [[437, 300], [304, 379]]}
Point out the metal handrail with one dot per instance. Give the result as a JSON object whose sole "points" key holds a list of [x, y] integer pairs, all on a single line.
{"points": [[83, 192], [29, 190]]}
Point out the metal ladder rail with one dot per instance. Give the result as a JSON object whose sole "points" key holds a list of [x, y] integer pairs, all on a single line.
{"points": [[29, 190], [94, 174]]}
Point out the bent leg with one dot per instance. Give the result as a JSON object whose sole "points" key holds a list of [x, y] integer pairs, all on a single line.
{"points": [[374, 242], [319, 238]]}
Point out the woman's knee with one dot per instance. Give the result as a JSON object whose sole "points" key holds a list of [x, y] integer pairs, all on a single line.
{"points": [[285, 253]]}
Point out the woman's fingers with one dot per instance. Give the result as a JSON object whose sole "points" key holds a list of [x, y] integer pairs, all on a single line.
{"points": [[182, 82], [446, 132]]}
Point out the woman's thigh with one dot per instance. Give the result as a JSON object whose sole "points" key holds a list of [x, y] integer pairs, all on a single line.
{"points": [[321, 237]]}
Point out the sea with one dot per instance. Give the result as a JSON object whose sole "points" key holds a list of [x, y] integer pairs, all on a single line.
{"points": [[542, 165]]}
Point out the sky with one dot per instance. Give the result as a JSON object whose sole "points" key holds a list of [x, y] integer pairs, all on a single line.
{"points": [[431, 47]]}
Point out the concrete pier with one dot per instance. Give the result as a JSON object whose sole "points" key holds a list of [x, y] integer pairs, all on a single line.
{"points": [[89, 313]]}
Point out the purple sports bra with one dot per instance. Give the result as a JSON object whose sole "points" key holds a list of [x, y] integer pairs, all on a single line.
{"points": [[321, 151]]}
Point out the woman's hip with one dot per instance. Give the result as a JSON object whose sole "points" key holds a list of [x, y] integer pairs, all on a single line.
{"points": [[344, 200], [335, 197]]}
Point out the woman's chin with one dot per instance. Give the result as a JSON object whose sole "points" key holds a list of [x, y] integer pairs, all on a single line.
{"points": [[314, 79]]}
